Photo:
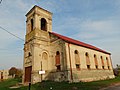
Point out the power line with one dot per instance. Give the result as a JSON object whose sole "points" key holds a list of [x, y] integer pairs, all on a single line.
{"points": [[11, 33]]}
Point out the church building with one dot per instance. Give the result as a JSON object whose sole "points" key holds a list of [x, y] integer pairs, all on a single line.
{"points": [[51, 56]]}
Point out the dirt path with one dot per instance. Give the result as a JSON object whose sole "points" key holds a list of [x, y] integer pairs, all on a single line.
{"points": [[115, 86]]}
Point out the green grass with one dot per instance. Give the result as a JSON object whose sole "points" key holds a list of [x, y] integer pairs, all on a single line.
{"points": [[46, 85], [4, 85]]}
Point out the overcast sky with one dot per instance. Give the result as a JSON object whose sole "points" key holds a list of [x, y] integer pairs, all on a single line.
{"points": [[96, 22]]}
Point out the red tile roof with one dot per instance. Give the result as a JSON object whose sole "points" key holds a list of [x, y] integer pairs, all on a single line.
{"points": [[76, 42]]}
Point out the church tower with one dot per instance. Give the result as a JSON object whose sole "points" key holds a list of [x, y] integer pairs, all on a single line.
{"points": [[36, 47], [38, 18]]}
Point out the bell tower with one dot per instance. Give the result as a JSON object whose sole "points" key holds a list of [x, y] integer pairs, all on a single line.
{"points": [[38, 18], [38, 26]]}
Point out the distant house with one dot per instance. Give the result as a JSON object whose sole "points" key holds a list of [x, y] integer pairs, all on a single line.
{"points": [[4, 74], [51, 56]]}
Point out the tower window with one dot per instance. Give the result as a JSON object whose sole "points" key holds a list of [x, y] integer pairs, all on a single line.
{"points": [[31, 24], [57, 53], [45, 56], [57, 61], [43, 24], [57, 57]]}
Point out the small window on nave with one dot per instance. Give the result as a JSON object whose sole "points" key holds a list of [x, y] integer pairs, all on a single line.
{"points": [[95, 60], [43, 24], [87, 58], [107, 63], [88, 66], [103, 67], [96, 66], [77, 59], [102, 61]]}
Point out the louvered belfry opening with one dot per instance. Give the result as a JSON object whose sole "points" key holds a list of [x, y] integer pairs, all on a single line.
{"points": [[32, 23]]}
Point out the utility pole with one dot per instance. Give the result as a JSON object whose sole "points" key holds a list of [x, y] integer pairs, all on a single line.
{"points": [[41, 70]]}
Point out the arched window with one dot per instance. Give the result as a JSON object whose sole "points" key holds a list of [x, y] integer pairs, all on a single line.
{"points": [[57, 61], [102, 61], [87, 60], [43, 24], [107, 63], [44, 61], [44, 56], [96, 62], [77, 59], [29, 54], [31, 24]]}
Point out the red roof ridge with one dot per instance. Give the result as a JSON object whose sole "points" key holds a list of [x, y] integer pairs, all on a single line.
{"points": [[76, 42]]}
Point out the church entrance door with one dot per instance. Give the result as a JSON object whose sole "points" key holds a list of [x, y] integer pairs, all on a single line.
{"points": [[28, 74]]}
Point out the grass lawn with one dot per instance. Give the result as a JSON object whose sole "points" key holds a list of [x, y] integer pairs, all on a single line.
{"points": [[4, 85], [49, 85]]}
